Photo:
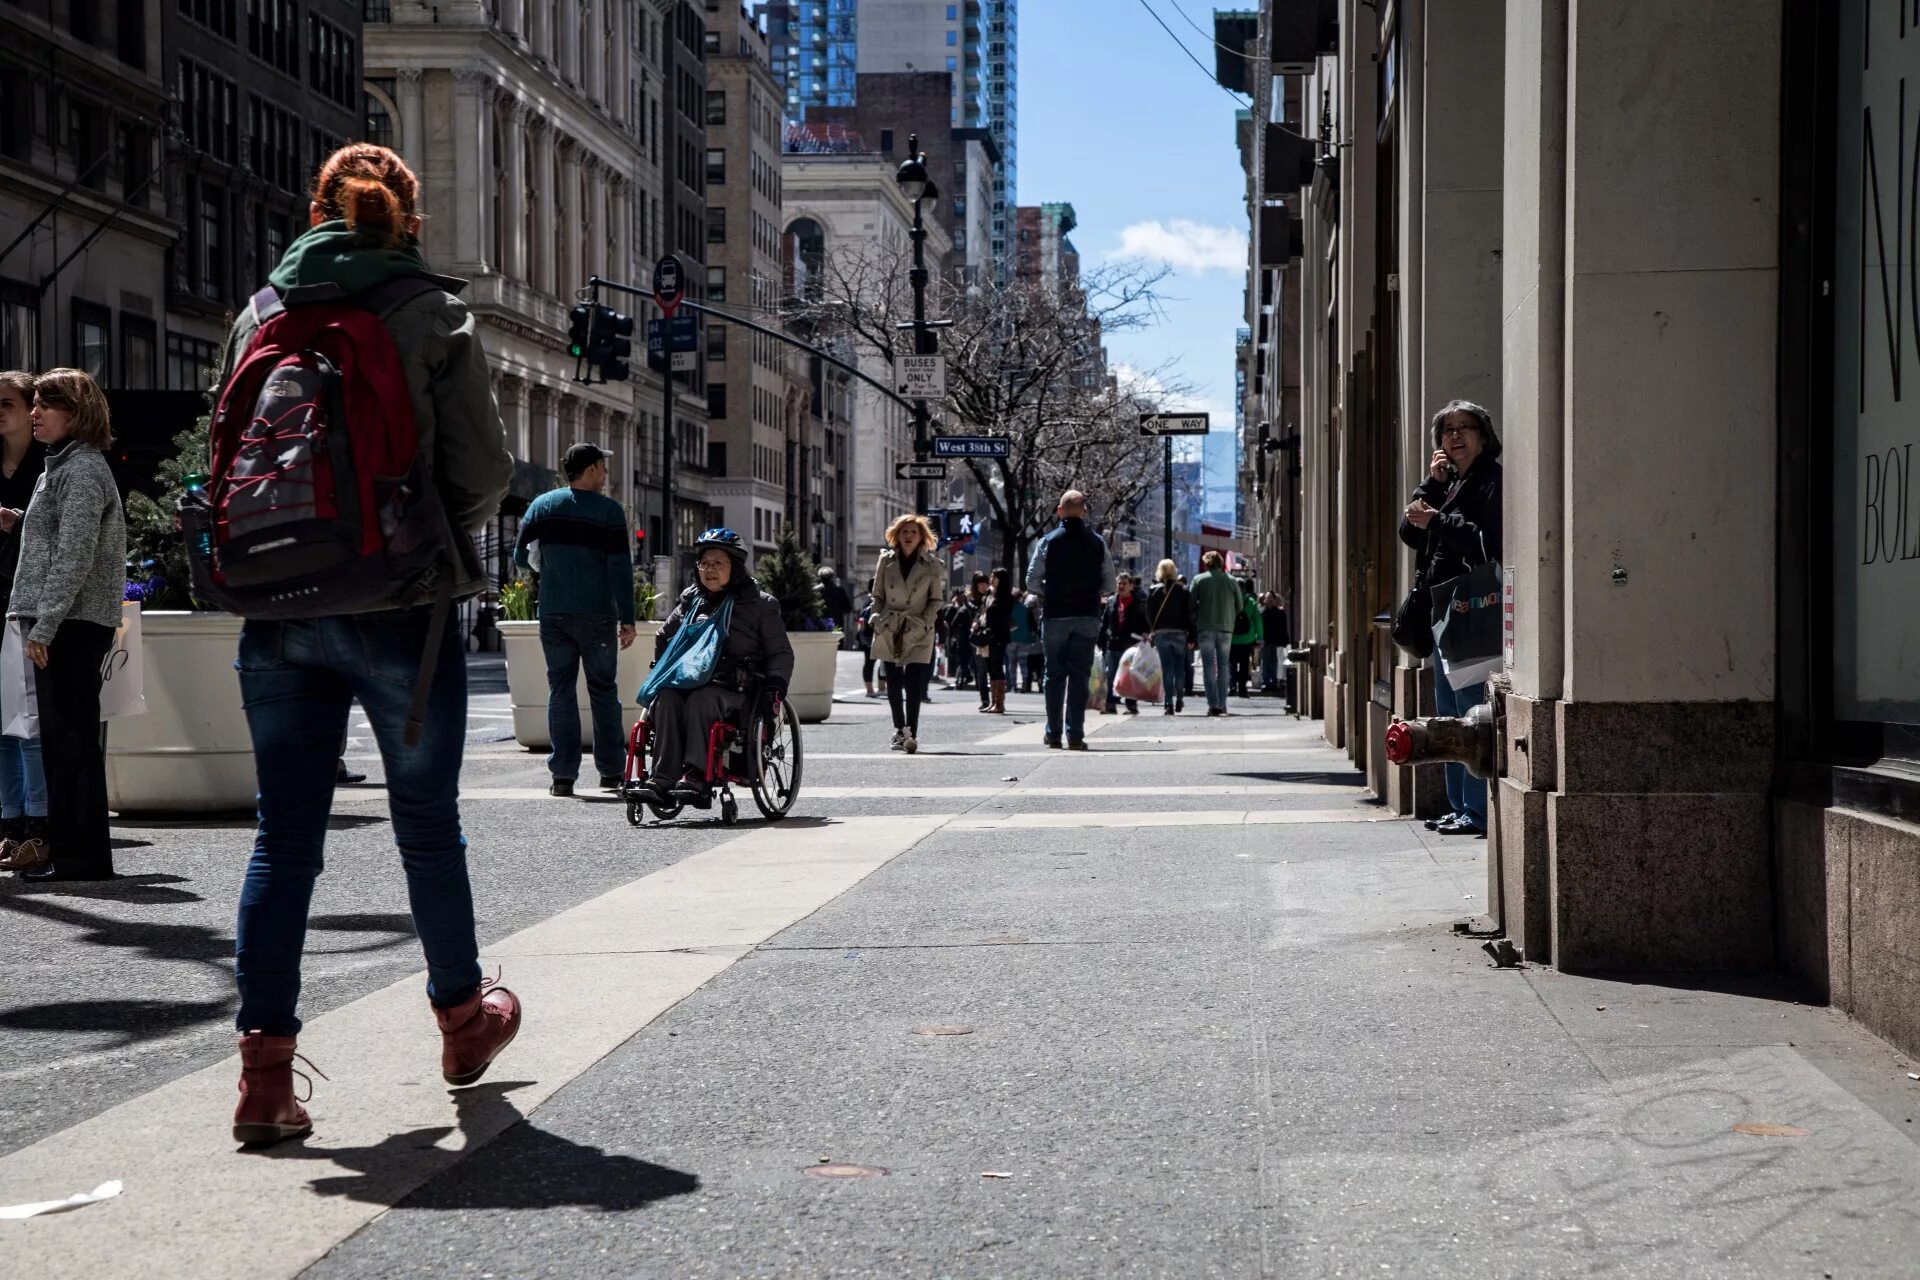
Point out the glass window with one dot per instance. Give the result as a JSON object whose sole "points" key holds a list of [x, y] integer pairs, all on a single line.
{"points": [[19, 327], [189, 363], [953, 38], [92, 334], [213, 216], [716, 165], [716, 284], [137, 352], [953, 12], [716, 341], [716, 106], [716, 224]]}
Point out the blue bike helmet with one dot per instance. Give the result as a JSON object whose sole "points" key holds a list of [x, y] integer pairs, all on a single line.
{"points": [[727, 540]]}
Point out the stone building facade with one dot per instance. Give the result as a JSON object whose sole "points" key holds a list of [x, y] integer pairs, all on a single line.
{"points": [[537, 131], [84, 236], [756, 389], [1652, 240], [263, 93], [851, 198]]}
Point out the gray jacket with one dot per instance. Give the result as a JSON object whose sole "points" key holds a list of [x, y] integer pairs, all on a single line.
{"points": [[461, 435], [73, 545]]}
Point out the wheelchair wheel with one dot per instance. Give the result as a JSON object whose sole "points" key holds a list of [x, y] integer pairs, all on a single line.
{"points": [[776, 766]]}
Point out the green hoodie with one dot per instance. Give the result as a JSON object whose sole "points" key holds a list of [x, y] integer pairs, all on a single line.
{"points": [[329, 253], [461, 434]]}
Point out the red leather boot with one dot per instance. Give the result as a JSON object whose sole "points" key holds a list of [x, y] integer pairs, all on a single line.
{"points": [[473, 1033], [268, 1110]]}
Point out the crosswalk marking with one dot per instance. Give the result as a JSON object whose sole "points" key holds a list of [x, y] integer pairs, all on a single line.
{"points": [[1190, 818], [591, 976], [1010, 790]]}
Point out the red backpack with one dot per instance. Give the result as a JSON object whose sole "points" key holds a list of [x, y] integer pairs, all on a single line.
{"points": [[318, 501]]}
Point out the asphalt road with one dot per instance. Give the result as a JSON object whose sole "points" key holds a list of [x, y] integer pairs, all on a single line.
{"points": [[1210, 1018]]}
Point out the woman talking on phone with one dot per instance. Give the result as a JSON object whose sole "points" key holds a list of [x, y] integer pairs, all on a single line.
{"points": [[1454, 519]]}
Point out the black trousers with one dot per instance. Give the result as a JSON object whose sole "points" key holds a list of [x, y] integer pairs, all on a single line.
{"points": [[68, 689]]}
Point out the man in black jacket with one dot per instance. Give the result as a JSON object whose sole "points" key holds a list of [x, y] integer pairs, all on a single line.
{"points": [[1454, 522], [1275, 635], [1068, 568]]}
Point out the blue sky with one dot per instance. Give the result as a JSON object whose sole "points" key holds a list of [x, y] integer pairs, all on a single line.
{"points": [[1115, 120]]}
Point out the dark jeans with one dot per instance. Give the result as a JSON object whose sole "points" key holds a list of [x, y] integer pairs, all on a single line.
{"points": [[68, 690], [297, 680], [1069, 643], [573, 641], [906, 690], [1466, 794], [1176, 666]]}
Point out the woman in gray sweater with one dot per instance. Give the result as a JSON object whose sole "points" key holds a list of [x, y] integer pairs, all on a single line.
{"points": [[66, 593]]}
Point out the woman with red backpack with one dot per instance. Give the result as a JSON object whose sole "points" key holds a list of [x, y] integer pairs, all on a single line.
{"points": [[301, 670]]}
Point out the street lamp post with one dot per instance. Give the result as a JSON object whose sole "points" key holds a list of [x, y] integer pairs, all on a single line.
{"points": [[917, 187]]}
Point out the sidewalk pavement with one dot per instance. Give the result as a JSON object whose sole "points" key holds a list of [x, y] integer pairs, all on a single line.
{"points": [[1227, 1031]]}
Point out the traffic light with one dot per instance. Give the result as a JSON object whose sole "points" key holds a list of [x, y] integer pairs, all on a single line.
{"points": [[579, 323], [612, 344]]}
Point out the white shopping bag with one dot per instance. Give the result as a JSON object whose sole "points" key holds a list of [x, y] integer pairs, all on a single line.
{"points": [[123, 670], [1473, 671], [19, 696]]}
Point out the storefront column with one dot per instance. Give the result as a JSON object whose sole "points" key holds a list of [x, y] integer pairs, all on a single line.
{"points": [[1640, 475]]}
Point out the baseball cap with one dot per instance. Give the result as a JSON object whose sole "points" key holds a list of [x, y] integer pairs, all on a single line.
{"points": [[581, 456]]}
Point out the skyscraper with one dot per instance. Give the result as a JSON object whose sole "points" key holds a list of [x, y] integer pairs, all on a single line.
{"points": [[818, 46]]}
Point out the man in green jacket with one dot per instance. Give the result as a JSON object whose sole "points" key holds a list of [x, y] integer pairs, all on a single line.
{"points": [[1216, 608], [1246, 639]]}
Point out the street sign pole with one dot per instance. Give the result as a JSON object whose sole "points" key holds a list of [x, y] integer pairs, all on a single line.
{"points": [[1167, 548], [668, 289]]}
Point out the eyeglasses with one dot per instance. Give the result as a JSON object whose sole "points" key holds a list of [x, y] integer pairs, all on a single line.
{"points": [[1456, 431], [712, 562]]}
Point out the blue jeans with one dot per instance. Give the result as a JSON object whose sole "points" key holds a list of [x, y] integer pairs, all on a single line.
{"points": [[23, 783], [1465, 793], [1175, 665], [573, 641], [1269, 664], [1216, 670], [297, 680], [1068, 644]]}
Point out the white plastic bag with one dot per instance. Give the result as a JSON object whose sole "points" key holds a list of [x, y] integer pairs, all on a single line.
{"points": [[1138, 678], [123, 670], [1464, 675], [19, 696]]}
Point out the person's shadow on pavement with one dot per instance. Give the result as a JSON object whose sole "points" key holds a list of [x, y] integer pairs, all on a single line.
{"points": [[522, 1168]]}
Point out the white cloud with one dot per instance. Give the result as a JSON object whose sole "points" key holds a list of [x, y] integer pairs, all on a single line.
{"points": [[1185, 245], [1136, 381]]}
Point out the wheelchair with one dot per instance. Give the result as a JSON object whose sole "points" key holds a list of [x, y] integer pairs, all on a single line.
{"points": [[749, 746]]}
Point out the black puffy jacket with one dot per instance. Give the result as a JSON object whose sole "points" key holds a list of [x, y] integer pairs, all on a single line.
{"points": [[1467, 530]]}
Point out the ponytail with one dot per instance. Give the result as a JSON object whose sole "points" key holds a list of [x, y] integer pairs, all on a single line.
{"points": [[370, 189]]}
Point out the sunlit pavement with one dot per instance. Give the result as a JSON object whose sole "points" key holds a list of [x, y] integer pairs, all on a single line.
{"points": [[1186, 1004]]}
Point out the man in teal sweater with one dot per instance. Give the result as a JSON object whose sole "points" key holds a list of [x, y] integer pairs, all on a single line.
{"points": [[576, 540]]}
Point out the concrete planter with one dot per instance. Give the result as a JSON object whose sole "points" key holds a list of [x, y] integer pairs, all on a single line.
{"points": [[811, 690], [527, 681], [190, 752]]}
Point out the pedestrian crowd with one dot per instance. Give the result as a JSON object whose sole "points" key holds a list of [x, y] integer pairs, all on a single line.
{"points": [[1072, 629]]}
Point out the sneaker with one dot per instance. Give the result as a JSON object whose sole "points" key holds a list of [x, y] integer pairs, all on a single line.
{"points": [[899, 736], [269, 1110], [1076, 744], [561, 787], [1052, 743], [875, 693], [907, 743], [24, 854], [473, 1032], [611, 782]]}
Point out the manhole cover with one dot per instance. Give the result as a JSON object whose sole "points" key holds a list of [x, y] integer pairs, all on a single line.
{"points": [[943, 1031], [1753, 1130], [843, 1171]]}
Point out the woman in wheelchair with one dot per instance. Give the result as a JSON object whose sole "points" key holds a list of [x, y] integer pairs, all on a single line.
{"points": [[756, 650]]}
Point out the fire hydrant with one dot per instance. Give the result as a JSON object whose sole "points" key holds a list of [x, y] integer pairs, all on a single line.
{"points": [[1466, 740]]}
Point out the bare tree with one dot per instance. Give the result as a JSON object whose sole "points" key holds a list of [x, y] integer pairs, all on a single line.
{"points": [[1024, 361]]}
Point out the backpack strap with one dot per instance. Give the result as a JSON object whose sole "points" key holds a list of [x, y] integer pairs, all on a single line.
{"points": [[267, 305], [429, 661]]}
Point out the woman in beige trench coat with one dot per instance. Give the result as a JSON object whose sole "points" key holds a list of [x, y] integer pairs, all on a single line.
{"points": [[906, 598]]}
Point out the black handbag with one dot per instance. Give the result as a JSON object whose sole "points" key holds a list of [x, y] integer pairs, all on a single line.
{"points": [[1413, 620]]}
